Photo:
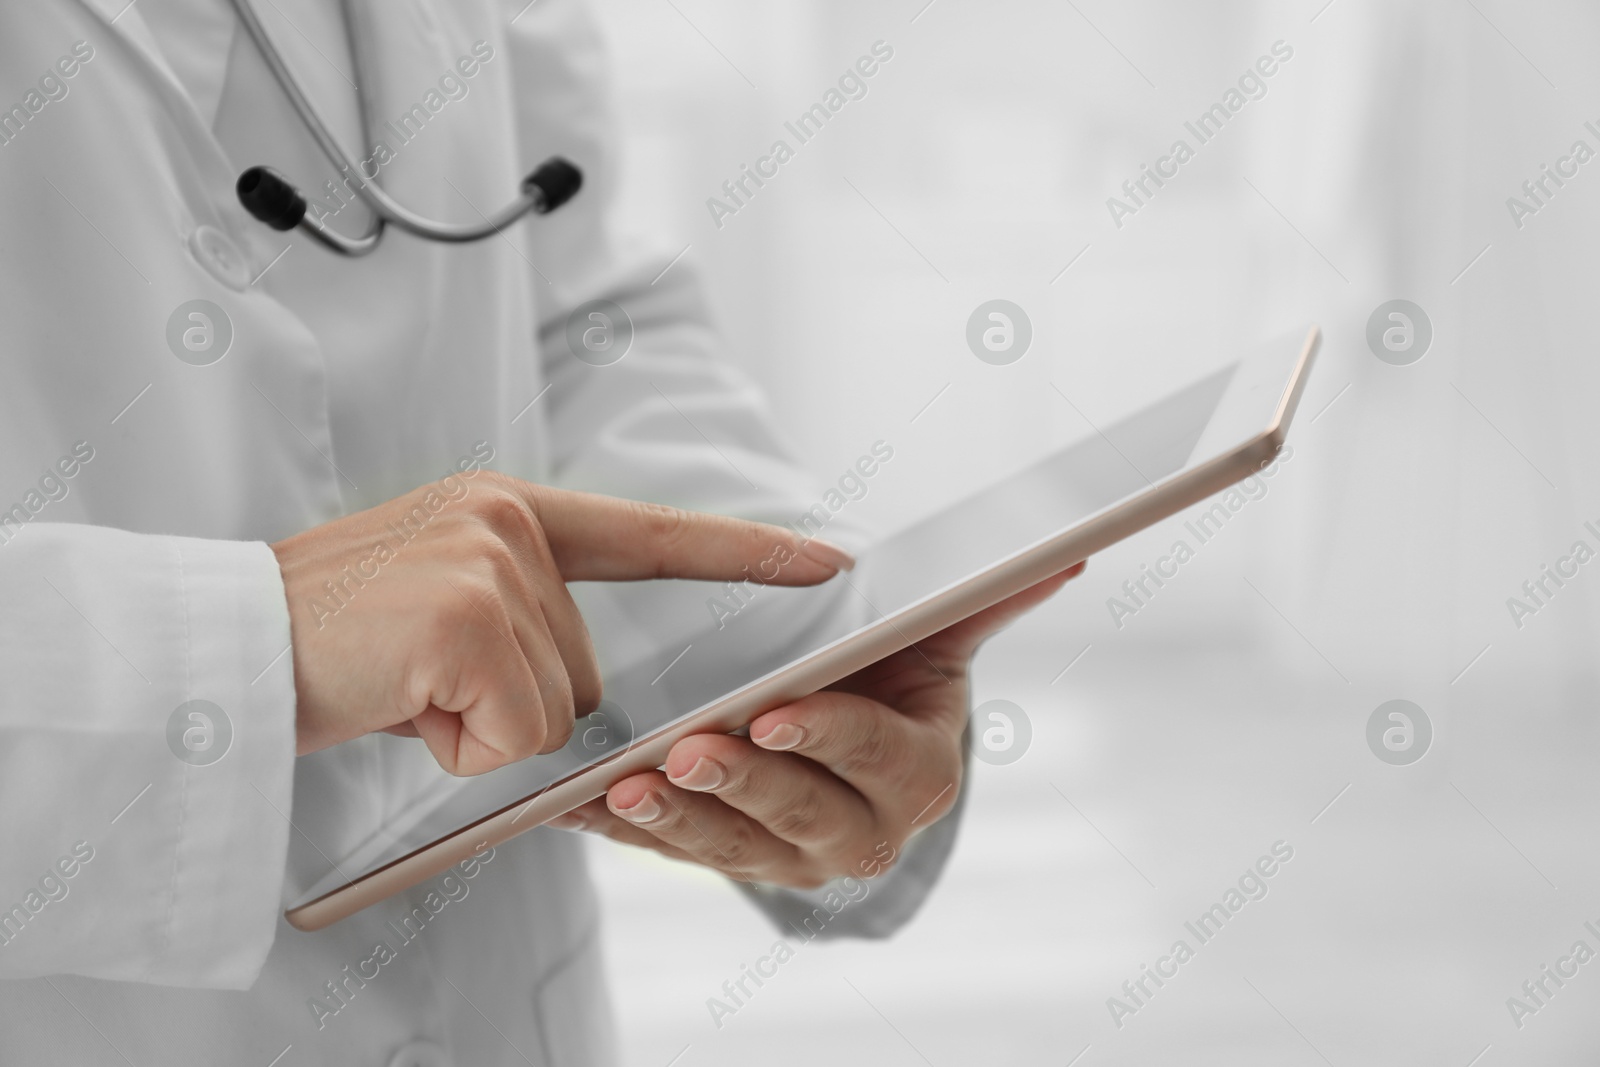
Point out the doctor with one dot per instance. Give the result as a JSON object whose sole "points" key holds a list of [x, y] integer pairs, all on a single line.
{"points": [[207, 428]]}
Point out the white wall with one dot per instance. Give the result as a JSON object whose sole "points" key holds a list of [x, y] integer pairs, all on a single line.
{"points": [[1223, 716]]}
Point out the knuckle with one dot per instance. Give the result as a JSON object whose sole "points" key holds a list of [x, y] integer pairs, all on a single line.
{"points": [[492, 553], [738, 850], [526, 740], [477, 603], [506, 515], [558, 714], [499, 508], [874, 753], [662, 526], [587, 692], [800, 819], [489, 478], [584, 683]]}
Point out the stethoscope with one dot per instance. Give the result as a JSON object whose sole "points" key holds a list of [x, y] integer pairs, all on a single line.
{"points": [[273, 199]]}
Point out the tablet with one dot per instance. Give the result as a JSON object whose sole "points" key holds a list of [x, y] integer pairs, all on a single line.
{"points": [[1196, 440]]}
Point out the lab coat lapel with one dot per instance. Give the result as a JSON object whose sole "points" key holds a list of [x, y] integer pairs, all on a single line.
{"points": [[196, 39], [122, 19]]}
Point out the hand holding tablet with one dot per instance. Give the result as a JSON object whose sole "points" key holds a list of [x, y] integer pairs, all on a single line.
{"points": [[822, 784], [936, 588]]}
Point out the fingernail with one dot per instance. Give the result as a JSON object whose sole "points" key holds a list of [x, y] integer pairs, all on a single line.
{"points": [[820, 551], [647, 810], [706, 774], [783, 737], [570, 821]]}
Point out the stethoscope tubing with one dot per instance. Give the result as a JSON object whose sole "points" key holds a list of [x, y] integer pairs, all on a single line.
{"points": [[386, 210]]}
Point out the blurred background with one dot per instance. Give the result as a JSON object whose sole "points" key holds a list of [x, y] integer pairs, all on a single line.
{"points": [[1230, 713]]}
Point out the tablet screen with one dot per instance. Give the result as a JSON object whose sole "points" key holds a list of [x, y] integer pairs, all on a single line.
{"points": [[717, 638]]}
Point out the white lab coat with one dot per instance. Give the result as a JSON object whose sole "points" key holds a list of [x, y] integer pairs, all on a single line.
{"points": [[143, 580]]}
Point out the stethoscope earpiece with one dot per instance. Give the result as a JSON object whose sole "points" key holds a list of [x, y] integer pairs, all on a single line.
{"points": [[271, 198], [556, 180]]}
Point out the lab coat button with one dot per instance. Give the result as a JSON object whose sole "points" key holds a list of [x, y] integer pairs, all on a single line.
{"points": [[419, 1054], [220, 257]]}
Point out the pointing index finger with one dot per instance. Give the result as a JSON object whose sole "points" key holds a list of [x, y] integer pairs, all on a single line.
{"points": [[608, 539]]}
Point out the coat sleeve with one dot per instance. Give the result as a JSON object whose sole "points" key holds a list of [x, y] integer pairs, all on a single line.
{"points": [[146, 755], [671, 421]]}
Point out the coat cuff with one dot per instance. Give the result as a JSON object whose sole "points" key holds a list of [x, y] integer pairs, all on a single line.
{"points": [[233, 823]]}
